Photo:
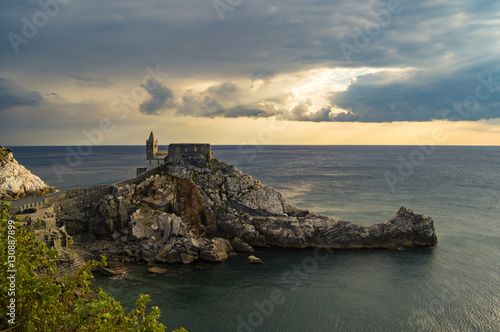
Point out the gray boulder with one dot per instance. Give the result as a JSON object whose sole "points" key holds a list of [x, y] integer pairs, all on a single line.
{"points": [[187, 258], [164, 222], [254, 260], [138, 227], [239, 245], [173, 257]]}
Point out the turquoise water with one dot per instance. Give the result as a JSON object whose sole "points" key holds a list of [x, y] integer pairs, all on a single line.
{"points": [[454, 286]]}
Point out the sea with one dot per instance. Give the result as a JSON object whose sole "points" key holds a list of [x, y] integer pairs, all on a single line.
{"points": [[453, 286]]}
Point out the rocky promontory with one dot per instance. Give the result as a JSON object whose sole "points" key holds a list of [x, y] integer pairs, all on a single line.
{"points": [[199, 209], [16, 181]]}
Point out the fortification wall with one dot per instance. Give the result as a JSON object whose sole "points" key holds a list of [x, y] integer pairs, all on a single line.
{"points": [[30, 207], [85, 199], [176, 152], [89, 195], [51, 200], [138, 179], [74, 192]]}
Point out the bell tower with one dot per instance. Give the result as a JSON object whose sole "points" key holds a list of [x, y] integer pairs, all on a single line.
{"points": [[151, 147]]}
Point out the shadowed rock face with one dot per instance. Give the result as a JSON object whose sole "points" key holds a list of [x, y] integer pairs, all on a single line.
{"points": [[189, 210], [16, 181]]}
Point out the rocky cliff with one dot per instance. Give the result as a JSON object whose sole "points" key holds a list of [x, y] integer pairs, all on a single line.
{"points": [[196, 209], [16, 181]]}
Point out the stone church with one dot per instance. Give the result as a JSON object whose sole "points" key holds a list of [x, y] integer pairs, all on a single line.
{"points": [[175, 153]]}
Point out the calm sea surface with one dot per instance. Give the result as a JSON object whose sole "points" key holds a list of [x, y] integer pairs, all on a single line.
{"points": [[454, 286]]}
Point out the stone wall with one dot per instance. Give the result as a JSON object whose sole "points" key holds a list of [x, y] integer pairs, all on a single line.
{"points": [[95, 193], [30, 207], [51, 200], [177, 152], [85, 199], [74, 192], [45, 203]]}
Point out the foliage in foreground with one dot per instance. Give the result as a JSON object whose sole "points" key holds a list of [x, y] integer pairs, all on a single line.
{"points": [[47, 302]]}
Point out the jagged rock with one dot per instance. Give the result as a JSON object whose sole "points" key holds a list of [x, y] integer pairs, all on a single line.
{"points": [[190, 201], [178, 227], [193, 245], [239, 245], [111, 215], [245, 231], [187, 258], [217, 251], [406, 229], [148, 255], [173, 257], [158, 270], [215, 200], [137, 256], [138, 230], [221, 247], [254, 260], [164, 222], [162, 253], [122, 209], [16, 181], [212, 256]]}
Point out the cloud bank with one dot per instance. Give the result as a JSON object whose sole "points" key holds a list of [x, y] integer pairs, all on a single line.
{"points": [[12, 95], [161, 98], [427, 59]]}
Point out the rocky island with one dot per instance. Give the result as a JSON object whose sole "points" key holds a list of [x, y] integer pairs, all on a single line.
{"points": [[16, 181], [195, 207]]}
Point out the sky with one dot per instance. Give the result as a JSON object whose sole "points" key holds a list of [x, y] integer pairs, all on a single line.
{"points": [[396, 72]]}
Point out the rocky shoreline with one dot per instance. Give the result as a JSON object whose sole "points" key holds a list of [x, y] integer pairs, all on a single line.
{"points": [[202, 210], [18, 182]]}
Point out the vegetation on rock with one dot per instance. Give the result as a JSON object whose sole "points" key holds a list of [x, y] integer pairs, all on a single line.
{"points": [[4, 153]]}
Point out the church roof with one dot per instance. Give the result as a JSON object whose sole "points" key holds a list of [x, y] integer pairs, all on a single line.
{"points": [[151, 137], [162, 154]]}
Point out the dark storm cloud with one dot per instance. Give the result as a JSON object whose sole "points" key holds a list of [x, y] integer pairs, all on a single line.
{"points": [[221, 100], [214, 102], [464, 94], [226, 89], [448, 44], [90, 81], [12, 95], [161, 98]]}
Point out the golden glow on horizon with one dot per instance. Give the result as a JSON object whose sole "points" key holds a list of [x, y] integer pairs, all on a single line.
{"points": [[272, 132], [313, 84]]}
